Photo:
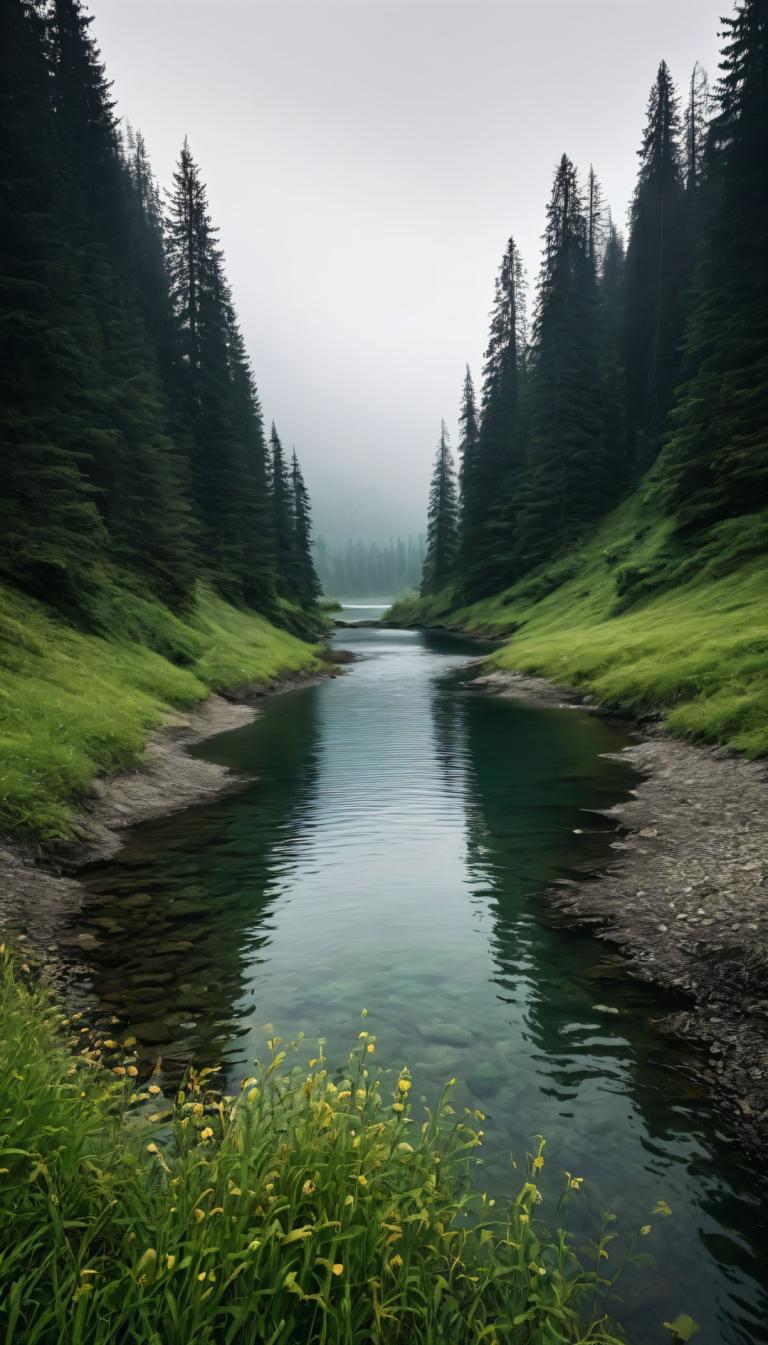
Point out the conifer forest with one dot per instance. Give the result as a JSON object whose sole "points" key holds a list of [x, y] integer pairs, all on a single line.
{"points": [[383, 672]]}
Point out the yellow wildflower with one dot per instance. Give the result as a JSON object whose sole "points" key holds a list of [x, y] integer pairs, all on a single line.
{"points": [[154, 1089], [152, 1149], [370, 1048], [132, 1071], [206, 1134], [397, 1106], [199, 1215], [576, 1183], [201, 1276], [362, 1180], [404, 1085], [538, 1162], [395, 1261], [338, 1268]]}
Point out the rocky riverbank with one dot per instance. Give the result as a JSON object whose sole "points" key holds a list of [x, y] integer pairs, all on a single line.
{"points": [[686, 899], [39, 889]]}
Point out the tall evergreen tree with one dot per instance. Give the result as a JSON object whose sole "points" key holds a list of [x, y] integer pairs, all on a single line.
{"points": [[470, 515], [50, 530], [283, 516], [697, 114], [489, 535], [307, 584], [442, 520], [613, 377], [221, 417], [716, 464], [566, 482], [657, 273]]}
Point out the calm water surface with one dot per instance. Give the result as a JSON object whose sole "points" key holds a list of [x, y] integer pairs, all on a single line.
{"points": [[389, 849]]}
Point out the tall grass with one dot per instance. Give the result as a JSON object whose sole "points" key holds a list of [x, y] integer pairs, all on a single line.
{"points": [[311, 1208], [687, 639], [74, 704]]}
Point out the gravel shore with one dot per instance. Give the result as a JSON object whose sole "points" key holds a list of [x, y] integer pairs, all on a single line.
{"points": [[686, 900]]}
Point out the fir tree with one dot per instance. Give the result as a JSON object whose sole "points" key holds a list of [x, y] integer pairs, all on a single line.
{"points": [[470, 516], [283, 516], [50, 531], [212, 380], [716, 463], [566, 482], [489, 533], [307, 584], [613, 378], [697, 114], [441, 520], [657, 273]]}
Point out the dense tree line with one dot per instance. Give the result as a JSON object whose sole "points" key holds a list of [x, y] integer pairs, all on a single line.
{"points": [[132, 432], [368, 570], [649, 356]]}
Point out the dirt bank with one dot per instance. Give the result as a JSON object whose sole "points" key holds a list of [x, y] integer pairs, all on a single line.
{"points": [[687, 899], [39, 890]]}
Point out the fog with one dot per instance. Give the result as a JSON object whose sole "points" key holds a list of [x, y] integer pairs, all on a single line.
{"points": [[366, 161]]}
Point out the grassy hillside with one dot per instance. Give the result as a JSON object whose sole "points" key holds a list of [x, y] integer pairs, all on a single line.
{"points": [[75, 705], [642, 621]]}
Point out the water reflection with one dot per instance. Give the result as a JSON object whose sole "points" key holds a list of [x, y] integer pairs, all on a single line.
{"points": [[390, 850], [182, 921]]}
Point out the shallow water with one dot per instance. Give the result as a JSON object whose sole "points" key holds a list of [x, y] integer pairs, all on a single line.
{"points": [[389, 850]]}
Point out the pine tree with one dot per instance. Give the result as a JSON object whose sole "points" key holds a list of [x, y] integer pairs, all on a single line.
{"points": [[213, 383], [716, 464], [566, 483], [613, 376], [469, 431], [697, 114], [596, 222], [489, 534], [657, 274], [50, 531], [307, 584], [441, 520], [283, 517]]}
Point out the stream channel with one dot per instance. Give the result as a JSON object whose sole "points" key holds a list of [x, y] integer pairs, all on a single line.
{"points": [[390, 849]]}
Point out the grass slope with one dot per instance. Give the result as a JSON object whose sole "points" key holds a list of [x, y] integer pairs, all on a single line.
{"points": [[642, 622], [76, 705]]}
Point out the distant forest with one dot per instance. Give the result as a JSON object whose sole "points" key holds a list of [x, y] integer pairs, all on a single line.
{"points": [[134, 451], [644, 355], [360, 570]]}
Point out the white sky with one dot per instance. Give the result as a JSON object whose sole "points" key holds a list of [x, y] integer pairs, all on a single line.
{"points": [[366, 161]]}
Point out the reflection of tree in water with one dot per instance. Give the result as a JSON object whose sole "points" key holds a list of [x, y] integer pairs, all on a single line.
{"points": [[528, 777], [172, 928]]}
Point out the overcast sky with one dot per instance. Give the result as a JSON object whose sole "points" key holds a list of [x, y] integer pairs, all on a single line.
{"points": [[366, 161]]}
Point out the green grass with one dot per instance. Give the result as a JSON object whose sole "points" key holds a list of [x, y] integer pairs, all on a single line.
{"points": [[316, 1207], [644, 623], [75, 705]]}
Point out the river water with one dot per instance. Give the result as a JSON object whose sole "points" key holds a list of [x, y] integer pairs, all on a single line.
{"points": [[389, 850]]}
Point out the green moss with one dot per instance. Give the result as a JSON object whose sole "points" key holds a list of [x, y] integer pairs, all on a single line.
{"points": [[642, 621], [75, 705]]}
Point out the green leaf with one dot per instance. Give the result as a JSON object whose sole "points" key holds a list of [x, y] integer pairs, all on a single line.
{"points": [[682, 1328]]}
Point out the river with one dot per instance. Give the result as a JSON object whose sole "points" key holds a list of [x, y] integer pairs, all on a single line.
{"points": [[389, 850]]}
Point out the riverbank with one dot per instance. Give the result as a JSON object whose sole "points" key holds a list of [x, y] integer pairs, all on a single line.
{"points": [[39, 888], [686, 900], [78, 704], [644, 626]]}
